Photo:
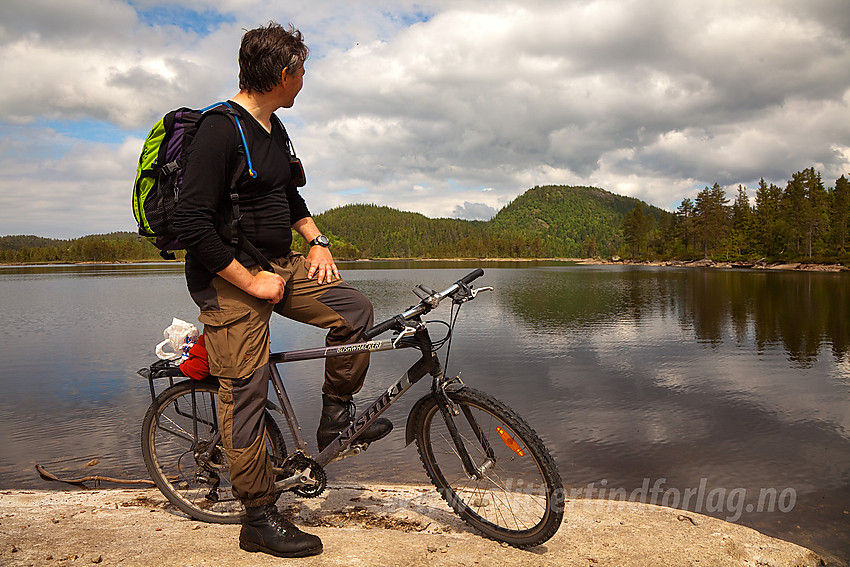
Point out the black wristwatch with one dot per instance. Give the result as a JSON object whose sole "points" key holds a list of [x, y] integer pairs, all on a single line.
{"points": [[320, 240]]}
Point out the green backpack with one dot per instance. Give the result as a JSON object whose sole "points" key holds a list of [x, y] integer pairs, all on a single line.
{"points": [[159, 178]]}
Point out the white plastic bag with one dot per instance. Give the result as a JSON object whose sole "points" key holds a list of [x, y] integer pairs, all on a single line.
{"points": [[180, 336]]}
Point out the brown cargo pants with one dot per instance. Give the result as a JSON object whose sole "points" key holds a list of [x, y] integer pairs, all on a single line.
{"points": [[236, 331]]}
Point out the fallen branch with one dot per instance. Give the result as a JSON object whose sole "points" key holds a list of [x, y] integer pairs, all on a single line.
{"points": [[95, 478]]}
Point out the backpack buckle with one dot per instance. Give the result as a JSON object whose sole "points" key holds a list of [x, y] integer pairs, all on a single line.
{"points": [[170, 167]]}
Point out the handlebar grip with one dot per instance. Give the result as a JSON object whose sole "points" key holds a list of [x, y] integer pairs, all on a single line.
{"points": [[380, 328], [475, 274]]}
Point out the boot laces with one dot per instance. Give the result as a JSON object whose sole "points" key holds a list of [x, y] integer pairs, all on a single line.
{"points": [[276, 519], [352, 411]]}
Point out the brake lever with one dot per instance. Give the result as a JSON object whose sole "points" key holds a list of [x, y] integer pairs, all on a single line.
{"points": [[480, 289], [470, 293], [408, 331]]}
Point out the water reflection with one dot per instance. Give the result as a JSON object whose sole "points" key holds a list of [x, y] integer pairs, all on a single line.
{"points": [[802, 312]]}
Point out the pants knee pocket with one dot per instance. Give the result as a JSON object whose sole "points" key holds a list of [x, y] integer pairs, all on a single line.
{"points": [[236, 341]]}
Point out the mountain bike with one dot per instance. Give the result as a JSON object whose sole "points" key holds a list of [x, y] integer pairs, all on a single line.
{"points": [[488, 464]]}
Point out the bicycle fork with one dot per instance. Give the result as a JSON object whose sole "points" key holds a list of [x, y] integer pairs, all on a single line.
{"points": [[449, 410]]}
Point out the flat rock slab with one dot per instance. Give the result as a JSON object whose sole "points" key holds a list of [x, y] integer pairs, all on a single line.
{"points": [[369, 526]]}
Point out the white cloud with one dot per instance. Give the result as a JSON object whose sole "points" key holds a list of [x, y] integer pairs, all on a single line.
{"points": [[420, 105], [474, 211]]}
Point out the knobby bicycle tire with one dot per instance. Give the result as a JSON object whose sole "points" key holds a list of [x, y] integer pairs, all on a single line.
{"points": [[519, 497], [200, 489]]}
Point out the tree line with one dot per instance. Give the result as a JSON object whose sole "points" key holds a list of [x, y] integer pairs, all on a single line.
{"points": [[804, 221], [112, 247]]}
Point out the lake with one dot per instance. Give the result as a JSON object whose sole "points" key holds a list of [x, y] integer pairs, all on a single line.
{"points": [[724, 392]]}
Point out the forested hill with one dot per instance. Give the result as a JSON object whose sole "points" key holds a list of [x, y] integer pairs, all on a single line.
{"points": [[547, 221], [112, 247], [572, 221]]}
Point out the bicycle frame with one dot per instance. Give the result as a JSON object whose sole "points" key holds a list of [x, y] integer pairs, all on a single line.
{"points": [[428, 363]]}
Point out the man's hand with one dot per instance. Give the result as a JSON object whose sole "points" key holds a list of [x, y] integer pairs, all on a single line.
{"points": [[322, 263], [268, 286], [320, 258], [264, 285]]}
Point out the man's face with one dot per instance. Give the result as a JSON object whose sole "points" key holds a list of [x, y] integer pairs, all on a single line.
{"points": [[292, 86]]}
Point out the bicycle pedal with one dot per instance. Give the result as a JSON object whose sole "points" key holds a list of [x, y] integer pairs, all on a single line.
{"points": [[353, 450]]}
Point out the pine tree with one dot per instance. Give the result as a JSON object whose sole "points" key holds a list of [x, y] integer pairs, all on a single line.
{"points": [[742, 213], [840, 211], [711, 217], [806, 203], [636, 227], [769, 225], [685, 216]]}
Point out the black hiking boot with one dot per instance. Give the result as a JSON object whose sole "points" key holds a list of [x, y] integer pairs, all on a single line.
{"points": [[337, 415], [265, 529]]}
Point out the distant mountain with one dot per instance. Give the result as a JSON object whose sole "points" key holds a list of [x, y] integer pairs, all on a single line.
{"points": [[569, 220], [547, 221]]}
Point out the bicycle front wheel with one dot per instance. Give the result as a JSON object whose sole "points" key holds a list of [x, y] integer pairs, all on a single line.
{"points": [[514, 494], [182, 449]]}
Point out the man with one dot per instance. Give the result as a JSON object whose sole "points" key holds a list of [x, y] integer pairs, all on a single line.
{"points": [[236, 297]]}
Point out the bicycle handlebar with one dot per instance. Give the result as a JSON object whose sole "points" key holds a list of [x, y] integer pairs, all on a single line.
{"points": [[423, 306], [473, 275], [380, 328]]}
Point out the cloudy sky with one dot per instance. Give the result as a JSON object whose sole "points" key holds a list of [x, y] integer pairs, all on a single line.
{"points": [[447, 107]]}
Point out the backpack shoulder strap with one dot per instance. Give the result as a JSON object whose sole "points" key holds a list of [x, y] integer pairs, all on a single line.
{"points": [[237, 121], [237, 238], [289, 147]]}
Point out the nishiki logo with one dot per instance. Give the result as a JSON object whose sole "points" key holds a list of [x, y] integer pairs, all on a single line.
{"points": [[374, 410]]}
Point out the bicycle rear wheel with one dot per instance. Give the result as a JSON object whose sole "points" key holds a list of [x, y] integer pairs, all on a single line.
{"points": [[517, 496], [177, 453]]}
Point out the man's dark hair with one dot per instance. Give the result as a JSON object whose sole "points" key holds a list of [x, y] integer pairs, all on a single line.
{"points": [[264, 54]]}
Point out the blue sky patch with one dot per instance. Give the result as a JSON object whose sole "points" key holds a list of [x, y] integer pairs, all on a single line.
{"points": [[407, 19], [352, 191], [50, 139], [91, 130], [201, 23]]}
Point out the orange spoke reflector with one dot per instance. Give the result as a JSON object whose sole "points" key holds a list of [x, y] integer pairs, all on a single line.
{"points": [[509, 441]]}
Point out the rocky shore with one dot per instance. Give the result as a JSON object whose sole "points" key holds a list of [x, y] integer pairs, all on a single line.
{"points": [[371, 526], [708, 263]]}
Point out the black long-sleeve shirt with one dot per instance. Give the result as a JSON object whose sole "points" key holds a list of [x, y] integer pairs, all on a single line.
{"points": [[269, 204]]}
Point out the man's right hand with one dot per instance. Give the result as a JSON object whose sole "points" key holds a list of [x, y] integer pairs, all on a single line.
{"points": [[264, 285], [268, 286]]}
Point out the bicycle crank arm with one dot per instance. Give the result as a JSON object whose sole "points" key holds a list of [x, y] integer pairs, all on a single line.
{"points": [[300, 478]]}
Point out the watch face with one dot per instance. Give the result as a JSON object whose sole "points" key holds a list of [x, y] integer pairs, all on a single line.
{"points": [[321, 240]]}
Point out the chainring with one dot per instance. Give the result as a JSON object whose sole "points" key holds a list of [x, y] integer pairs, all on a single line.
{"points": [[297, 463]]}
